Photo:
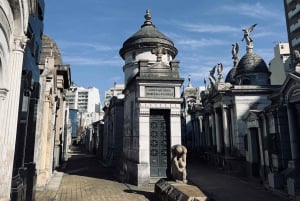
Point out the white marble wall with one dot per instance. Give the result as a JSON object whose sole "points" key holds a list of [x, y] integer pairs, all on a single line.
{"points": [[14, 20]]}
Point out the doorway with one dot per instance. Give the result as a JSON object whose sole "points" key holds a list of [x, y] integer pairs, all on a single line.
{"points": [[159, 142]]}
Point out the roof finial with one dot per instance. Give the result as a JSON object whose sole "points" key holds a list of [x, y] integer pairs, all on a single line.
{"points": [[147, 18], [189, 79]]}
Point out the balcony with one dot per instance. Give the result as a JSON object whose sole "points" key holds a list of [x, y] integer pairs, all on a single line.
{"points": [[292, 13], [295, 26], [288, 1], [295, 41]]}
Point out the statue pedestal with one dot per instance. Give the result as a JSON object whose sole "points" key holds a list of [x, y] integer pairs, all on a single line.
{"points": [[174, 191]]}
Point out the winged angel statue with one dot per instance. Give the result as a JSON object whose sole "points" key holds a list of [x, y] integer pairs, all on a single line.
{"points": [[247, 37], [235, 51]]}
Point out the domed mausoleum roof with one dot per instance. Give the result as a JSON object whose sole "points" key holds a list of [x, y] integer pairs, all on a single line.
{"points": [[148, 37], [230, 76], [251, 63], [50, 48]]}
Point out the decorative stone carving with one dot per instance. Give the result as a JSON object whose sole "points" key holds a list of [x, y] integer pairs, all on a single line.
{"points": [[20, 43], [212, 78], [178, 163], [235, 51], [159, 51], [248, 39], [220, 72]]}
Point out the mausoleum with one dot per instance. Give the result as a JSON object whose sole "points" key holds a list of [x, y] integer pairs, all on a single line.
{"points": [[151, 105]]}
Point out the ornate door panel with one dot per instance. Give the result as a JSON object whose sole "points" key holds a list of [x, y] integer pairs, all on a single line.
{"points": [[159, 142]]}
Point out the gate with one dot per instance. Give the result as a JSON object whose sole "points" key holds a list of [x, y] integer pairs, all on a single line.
{"points": [[159, 142]]}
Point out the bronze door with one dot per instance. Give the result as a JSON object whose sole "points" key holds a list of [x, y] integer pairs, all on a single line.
{"points": [[159, 142]]}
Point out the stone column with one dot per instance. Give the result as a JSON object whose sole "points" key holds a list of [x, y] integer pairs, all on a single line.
{"points": [[3, 95], [218, 140], [233, 126], [213, 120], [294, 136], [293, 181], [10, 112], [175, 124], [202, 139], [225, 129]]}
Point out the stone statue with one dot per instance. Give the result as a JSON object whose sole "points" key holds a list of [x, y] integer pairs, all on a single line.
{"points": [[220, 71], [212, 78], [178, 163], [235, 51], [247, 37], [159, 51]]}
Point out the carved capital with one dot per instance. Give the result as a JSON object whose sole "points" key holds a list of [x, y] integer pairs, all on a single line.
{"points": [[20, 44]]}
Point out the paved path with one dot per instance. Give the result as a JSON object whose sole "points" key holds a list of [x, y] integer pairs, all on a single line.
{"points": [[224, 187], [84, 179]]}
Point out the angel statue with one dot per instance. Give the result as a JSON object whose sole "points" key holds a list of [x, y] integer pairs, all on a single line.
{"points": [[220, 71], [247, 37], [212, 77], [235, 51]]}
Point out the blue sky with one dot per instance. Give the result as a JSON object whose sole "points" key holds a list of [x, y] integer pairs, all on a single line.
{"points": [[90, 33]]}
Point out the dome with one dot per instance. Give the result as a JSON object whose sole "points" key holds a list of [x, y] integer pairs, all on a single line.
{"points": [[252, 70], [230, 76], [148, 37], [251, 63], [49, 48]]}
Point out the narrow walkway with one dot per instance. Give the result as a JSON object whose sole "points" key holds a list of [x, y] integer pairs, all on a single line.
{"points": [[83, 179]]}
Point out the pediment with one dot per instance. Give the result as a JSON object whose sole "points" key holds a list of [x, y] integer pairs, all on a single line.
{"points": [[291, 88]]}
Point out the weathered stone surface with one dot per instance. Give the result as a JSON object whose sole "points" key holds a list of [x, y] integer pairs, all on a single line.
{"points": [[172, 191]]}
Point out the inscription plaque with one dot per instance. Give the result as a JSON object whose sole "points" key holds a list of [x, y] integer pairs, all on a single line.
{"points": [[161, 92]]}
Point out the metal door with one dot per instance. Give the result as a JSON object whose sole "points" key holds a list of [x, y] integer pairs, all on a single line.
{"points": [[159, 142]]}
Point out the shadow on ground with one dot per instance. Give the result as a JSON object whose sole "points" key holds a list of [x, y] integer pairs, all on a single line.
{"points": [[85, 164]]}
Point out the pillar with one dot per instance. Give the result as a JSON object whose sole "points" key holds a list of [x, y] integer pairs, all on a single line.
{"points": [[294, 136], [218, 139], [225, 129], [11, 108], [213, 120]]}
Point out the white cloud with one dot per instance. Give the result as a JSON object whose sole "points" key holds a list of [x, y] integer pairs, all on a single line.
{"points": [[256, 10], [209, 28], [80, 61], [203, 42], [84, 45]]}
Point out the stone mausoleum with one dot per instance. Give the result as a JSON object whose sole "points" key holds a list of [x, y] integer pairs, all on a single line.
{"points": [[151, 105]]}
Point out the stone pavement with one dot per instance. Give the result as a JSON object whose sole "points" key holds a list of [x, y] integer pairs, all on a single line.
{"points": [[83, 179], [221, 186]]}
